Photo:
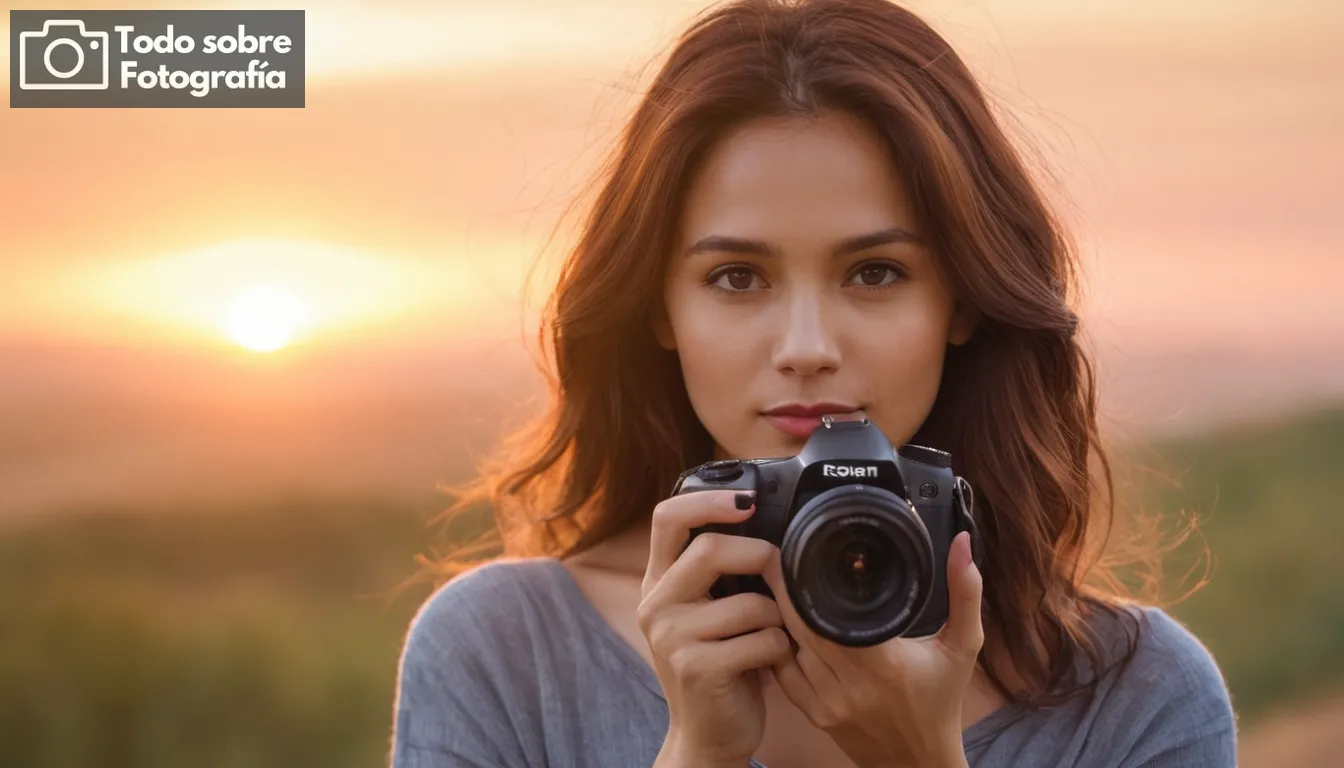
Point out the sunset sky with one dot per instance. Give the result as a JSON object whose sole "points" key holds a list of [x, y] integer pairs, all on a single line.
{"points": [[1198, 147]]}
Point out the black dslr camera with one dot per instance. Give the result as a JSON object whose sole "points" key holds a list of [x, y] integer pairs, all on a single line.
{"points": [[863, 529]]}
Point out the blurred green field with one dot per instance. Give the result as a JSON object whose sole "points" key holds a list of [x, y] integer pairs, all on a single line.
{"points": [[268, 636], [213, 638], [1271, 533]]}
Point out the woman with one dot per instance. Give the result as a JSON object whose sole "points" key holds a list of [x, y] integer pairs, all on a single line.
{"points": [[812, 211]]}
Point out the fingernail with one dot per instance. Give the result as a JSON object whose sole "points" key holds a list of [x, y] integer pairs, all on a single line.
{"points": [[743, 500]]}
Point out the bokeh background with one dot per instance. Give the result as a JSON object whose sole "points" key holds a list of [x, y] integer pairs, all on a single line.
{"points": [[240, 350]]}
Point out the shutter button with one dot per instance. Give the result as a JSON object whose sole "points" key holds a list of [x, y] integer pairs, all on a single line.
{"points": [[723, 471]]}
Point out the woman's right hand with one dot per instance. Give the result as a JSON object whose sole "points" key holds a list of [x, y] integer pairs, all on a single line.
{"points": [[706, 652]]}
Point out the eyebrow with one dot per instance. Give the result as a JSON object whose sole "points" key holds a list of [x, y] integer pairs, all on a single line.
{"points": [[727, 244]]}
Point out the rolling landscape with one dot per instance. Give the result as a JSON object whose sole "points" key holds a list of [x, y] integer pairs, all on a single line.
{"points": [[263, 629], [241, 350]]}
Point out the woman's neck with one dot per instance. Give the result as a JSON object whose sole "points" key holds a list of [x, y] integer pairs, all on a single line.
{"points": [[626, 552]]}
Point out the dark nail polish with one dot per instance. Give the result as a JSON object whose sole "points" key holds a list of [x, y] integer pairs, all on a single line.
{"points": [[744, 500]]}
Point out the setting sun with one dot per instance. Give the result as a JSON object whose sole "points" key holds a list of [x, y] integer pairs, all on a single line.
{"points": [[263, 294], [263, 318]]}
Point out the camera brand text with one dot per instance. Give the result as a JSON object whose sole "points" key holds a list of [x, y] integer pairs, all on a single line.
{"points": [[844, 470]]}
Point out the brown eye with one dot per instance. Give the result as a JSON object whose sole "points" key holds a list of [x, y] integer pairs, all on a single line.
{"points": [[733, 279], [873, 275], [739, 279], [877, 275]]}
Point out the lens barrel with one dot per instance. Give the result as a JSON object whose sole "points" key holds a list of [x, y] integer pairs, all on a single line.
{"points": [[858, 564]]}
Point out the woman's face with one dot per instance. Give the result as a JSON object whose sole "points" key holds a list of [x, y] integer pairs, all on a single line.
{"points": [[798, 286]]}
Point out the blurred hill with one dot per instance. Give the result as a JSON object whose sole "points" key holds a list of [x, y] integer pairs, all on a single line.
{"points": [[162, 426], [1264, 495], [267, 634]]}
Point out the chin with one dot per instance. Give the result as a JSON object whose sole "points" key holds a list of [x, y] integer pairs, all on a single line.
{"points": [[775, 445], [758, 445]]}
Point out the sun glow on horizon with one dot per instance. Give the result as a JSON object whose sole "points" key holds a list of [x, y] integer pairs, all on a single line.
{"points": [[265, 317], [262, 294]]}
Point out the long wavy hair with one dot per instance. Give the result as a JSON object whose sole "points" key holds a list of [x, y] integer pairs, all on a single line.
{"points": [[1017, 407]]}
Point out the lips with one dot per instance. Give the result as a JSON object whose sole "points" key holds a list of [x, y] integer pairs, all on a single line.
{"points": [[799, 421]]}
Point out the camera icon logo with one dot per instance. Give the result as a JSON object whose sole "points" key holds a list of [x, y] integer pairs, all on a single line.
{"points": [[37, 70]]}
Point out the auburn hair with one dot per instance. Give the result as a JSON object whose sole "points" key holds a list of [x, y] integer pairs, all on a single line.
{"points": [[1017, 406]]}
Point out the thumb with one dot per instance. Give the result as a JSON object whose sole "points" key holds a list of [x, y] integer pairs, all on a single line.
{"points": [[963, 633]]}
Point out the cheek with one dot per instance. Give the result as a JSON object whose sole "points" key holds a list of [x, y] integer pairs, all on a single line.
{"points": [[906, 369], [719, 361], [716, 364]]}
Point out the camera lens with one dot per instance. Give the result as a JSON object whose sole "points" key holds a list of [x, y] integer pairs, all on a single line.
{"points": [[865, 568], [858, 564]]}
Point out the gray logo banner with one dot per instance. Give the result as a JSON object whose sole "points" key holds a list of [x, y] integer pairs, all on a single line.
{"points": [[156, 59]]}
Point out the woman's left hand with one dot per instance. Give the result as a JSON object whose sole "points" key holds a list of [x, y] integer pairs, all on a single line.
{"points": [[897, 704]]}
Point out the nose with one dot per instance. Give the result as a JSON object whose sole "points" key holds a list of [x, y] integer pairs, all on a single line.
{"points": [[806, 345]]}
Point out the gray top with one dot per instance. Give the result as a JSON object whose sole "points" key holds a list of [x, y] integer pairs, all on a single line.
{"points": [[510, 666]]}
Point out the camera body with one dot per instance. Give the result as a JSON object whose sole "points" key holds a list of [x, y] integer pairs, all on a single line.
{"points": [[863, 529]]}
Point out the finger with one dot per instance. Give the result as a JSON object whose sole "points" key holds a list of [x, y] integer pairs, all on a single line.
{"points": [[963, 633], [820, 674], [755, 650], [729, 617], [774, 578], [793, 681], [798, 629], [710, 556], [674, 518]]}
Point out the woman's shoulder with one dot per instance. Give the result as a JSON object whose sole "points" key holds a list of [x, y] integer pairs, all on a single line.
{"points": [[1168, 660], [1163, 705], [486, 623], [1170, 697], [481, 660], [492, 606]]}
